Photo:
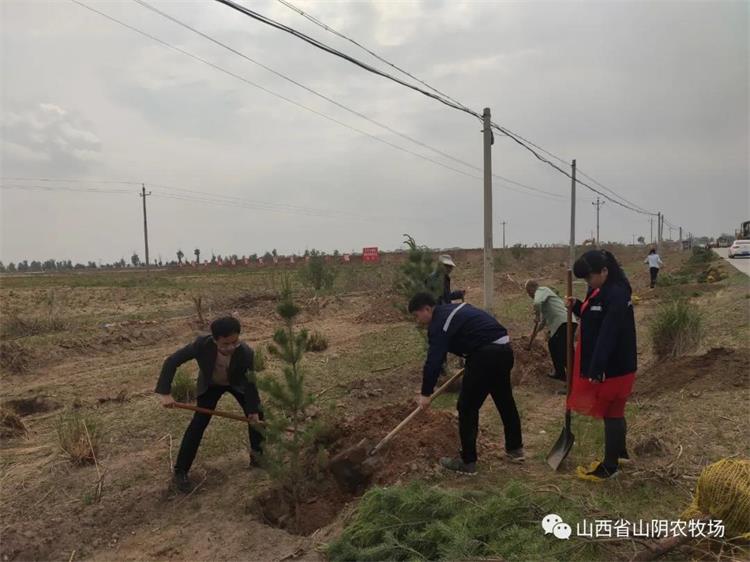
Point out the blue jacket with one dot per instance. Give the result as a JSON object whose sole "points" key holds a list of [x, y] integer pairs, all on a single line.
{"points": [[607, 333], [460, 329]]}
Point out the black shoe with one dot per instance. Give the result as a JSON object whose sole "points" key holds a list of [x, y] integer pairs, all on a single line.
{"points": [[597, 473], [556, 377], [256, 459], [457, 465], [181, 482], [516, 455]]}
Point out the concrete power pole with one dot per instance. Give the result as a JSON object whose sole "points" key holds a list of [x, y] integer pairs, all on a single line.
{"points": [[598, 205], [145, 221], [658, 232], [652, 230], [680, 239], [488, 265]]}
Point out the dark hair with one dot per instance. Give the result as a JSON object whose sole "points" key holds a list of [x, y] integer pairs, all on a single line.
{"points": [[653, 251], [596, 260], [420, 300], [225, 326]]}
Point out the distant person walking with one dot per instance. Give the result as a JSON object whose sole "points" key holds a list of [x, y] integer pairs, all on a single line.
{"points": [[550, 311], [605, 360], [654, 263], [441, 280]]}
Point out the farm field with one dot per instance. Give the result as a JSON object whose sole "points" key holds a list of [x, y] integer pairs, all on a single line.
{"points": [[93, 343]]}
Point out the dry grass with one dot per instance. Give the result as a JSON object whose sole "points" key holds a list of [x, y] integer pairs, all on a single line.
{"points": [[11, 424], [78, 437], [317, 342]]}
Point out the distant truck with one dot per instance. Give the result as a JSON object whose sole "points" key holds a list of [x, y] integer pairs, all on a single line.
{"points": [[744, 232]]}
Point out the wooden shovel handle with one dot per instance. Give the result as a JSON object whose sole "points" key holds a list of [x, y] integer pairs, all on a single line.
{"points": [[387, 439], [200, 410]]}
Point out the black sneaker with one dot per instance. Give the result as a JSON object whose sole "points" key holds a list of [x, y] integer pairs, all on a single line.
{"points": [[457, 465], [597, 473], [516, 455], [181, 482], [256, 459], [556, 377]]}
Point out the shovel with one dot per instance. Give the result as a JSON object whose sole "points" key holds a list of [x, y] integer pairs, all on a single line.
{"points": [[353, 467], [565, 442], [218, 413]]}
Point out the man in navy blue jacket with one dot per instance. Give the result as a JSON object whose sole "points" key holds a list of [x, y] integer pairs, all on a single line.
{"points": [[468, 332]]}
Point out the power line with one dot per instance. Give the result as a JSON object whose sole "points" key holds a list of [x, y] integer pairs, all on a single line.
{"points": [[60, 188], [288, 100], [439, 97], [338, 104], [314, 42], [374, 54]]}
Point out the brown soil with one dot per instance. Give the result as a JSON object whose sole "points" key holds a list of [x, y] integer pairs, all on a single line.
{"points": [[414, 451], [382, 311], [719, 368]]}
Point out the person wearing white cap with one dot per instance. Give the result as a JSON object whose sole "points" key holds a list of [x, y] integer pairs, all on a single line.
{"points": [[444, 269]]}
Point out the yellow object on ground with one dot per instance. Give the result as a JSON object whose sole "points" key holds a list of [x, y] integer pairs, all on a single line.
{"points": [[581, 472], [723, 492]]}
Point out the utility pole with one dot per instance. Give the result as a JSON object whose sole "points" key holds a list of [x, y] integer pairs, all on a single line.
{"points": [[145, 221], [652, 230], [504, 223], [680, 239], [488, 265], [598, 204], [658, 232]]}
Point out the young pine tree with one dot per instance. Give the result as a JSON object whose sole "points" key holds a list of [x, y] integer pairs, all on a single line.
{"points": [[290, 435], [416, 275]]}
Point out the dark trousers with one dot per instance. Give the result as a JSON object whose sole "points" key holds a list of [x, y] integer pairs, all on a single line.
{"points": [[194, 432], [654, 273], [615, 430], [557, 344], [487, 372]]}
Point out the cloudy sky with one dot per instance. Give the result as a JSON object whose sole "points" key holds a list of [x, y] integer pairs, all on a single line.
{"points": [[651, 98]]}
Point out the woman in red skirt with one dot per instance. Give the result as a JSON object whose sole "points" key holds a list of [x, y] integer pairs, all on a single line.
{"points": [[605, 355]]}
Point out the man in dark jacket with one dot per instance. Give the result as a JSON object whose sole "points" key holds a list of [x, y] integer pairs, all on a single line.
{"points": [[225, 364], [469, 332], [441, 280]]}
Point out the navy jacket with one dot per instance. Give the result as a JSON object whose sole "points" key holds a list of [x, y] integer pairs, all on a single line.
{"points": [[460, 329], [204, 351], [607, 333], [446, 296]]}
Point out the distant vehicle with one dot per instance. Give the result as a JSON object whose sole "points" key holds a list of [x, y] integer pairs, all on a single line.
{"points": [[744, 232], [724, 241], [740, 248]]}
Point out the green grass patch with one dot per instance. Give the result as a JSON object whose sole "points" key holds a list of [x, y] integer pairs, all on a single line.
{"points": [[420, 522], [184, 386], [676, 329]]}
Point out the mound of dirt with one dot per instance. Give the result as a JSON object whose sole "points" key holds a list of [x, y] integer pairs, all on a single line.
{"points": [[719, 369], [434, 433], [381, 312], [533, 366]]}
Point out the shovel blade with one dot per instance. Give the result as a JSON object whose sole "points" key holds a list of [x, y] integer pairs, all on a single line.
{"points": [[561, 448]]}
